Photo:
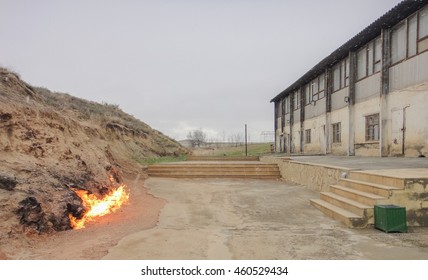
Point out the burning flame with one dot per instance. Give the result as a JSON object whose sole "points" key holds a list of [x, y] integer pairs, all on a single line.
{"points": [[97, 207]]}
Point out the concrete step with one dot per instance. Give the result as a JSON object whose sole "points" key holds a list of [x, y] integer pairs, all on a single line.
{"points": [[356, 195], [374, 188], [217, 170], [223, 158], [372, 177], [231, 176], [214, 167], [211, 172], [350, 219], [350, 205]]}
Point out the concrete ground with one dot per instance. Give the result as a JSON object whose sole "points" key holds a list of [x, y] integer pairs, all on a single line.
{"points": [[255, 219]]}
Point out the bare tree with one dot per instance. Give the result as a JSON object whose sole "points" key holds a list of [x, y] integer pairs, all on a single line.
{"points": [[237, 139], [197, 137]]}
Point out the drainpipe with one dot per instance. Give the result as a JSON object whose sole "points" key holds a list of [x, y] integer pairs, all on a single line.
{"points": [[385, 122], [351, 101], [404, 129]]}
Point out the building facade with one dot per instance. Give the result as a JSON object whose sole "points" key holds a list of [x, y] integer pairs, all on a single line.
{"points": [[368, 98]]}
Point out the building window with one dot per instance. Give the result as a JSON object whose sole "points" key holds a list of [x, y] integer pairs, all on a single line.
{"points": [[336, 133], [423, 30], [372, 127], [412, 47], [336, 77], [282, 114], [314, 86], [286, 105], [398, 43], [321, 83], [341, 75], [308, 96], [307, 136], [377, 55], [346, 72], [296, 100], [423, 23], [369, 59], [362, 63], [410, 37], [317, 88]]}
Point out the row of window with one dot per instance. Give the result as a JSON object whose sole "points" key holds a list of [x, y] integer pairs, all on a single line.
{"points": [[369, 59], [336, 134], [408, 38], [372, 130], [313, 92]]}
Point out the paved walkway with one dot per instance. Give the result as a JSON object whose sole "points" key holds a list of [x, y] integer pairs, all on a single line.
{"points": [[256, 219]]}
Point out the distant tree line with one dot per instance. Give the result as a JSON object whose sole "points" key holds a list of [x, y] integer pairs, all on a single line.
{"points": [[198, 138]]}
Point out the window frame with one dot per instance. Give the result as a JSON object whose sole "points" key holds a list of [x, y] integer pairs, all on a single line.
{"points": [[418, 24], [337, 82], [362, 51], [281, 107], [343, 74], [308, 136], [371, 128], [308, 95], [337, 132], [371, 58], [377, 60], [419, 39], [297, 98], [402, 24], [320, 93], [416, 18], [286, 105]]}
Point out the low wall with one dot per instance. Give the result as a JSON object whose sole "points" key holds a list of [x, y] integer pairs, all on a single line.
{"points": [[414, 197], [315, 176]]}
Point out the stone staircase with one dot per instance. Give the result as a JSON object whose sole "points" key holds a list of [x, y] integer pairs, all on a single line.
{"points": [[189, 169], [352, 200]]}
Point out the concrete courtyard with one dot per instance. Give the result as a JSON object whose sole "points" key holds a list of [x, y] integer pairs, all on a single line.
{"points": [[256, 219]]}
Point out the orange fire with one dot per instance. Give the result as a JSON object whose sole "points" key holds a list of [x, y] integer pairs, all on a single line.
{"points": [[97, 207]]}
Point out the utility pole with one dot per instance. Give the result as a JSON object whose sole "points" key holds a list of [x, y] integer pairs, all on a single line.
{"points": [[246, 149]]}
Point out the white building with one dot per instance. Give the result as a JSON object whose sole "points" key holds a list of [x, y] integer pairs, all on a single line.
{"points": [[368, 98]]}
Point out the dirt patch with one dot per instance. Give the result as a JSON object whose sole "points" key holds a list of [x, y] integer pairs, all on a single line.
{"points": [[94, 241]]}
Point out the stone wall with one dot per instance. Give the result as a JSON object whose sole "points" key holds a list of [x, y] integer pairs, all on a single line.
{"points": [[315, 176]]}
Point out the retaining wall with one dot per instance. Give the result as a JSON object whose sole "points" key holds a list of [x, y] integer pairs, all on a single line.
{"points": [[315, 176]]}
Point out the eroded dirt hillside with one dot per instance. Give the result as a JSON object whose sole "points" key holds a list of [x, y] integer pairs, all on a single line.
{"points": [[51, 143]]}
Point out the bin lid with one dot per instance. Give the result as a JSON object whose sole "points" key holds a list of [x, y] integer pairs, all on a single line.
{"points": [[388, 206]]}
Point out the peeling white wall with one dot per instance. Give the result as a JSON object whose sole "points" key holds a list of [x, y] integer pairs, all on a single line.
{"points": [[318, 144], [342, 116]]}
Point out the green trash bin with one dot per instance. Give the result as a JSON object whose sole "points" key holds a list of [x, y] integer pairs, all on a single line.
{"points": [[390, 218]]}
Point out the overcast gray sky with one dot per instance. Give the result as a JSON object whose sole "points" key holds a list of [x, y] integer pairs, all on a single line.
{"points": [[179, 65]]}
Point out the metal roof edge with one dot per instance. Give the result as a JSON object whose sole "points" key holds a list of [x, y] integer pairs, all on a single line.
{"points": [[401, 11]]}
